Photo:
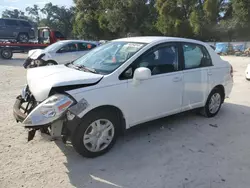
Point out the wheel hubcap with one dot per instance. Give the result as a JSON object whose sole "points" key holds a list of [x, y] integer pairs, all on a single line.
{"points": [[6, 53], [98, 135], [214, 103], [23, 37]]}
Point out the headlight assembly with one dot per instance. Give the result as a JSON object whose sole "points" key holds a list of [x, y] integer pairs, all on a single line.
{"points": [[49, 110]]}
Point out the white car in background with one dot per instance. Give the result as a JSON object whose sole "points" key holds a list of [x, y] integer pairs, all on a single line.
{"points": [[60, 52], [120, 84], [247, 72]]}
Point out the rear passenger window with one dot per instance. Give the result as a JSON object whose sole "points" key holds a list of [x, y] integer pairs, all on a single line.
{"points": [[196, 56], [85, 46], [11, 23], [25, 24]]}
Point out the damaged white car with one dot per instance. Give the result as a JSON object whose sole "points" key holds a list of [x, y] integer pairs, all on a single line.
{"points": [[247, 72], [60, 52], [120, 84]]}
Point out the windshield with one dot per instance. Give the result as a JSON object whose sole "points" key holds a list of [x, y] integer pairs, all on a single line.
{"points": [[108, 57], [53, 46]]}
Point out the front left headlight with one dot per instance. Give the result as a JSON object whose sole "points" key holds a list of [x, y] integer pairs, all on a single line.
{"points": [[49, 110]]}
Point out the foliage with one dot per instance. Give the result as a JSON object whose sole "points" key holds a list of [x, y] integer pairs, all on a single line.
{"points": [[107, 19], [14, 14]]}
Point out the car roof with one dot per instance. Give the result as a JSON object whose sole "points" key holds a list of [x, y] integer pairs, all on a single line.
{"points": [[155, 39], [69, 41], [14, 19]]}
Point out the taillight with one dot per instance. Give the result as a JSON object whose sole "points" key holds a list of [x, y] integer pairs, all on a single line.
{"points": [[231, 71]]}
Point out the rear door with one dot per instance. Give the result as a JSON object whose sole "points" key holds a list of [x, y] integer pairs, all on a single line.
{"points": [[195, 75], [12, 28]]}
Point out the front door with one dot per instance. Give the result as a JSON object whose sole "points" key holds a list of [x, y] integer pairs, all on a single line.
{"points": [[195, 75], [161, 94], [66, 54]]}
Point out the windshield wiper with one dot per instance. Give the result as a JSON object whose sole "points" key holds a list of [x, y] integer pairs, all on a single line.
{"points": [[80, 67], [85, 68]]}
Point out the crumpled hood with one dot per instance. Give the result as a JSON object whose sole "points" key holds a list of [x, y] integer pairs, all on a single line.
{"points": [[34, 54], [40, 80]]}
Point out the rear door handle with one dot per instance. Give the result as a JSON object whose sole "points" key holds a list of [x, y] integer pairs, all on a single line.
{"points": [[177, 79]]}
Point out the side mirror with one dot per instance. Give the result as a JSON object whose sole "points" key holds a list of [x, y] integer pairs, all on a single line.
{"points": [[141, 73]]}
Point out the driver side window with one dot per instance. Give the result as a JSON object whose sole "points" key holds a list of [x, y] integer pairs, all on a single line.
{"points": [[161, 60], [68, 48]]}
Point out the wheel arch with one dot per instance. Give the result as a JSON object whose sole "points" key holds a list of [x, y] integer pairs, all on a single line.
{"points": [[113, 109], [53, 61], [222, 89], [22, 33]]}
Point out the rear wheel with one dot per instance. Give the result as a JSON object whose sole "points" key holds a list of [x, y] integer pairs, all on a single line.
{"points": [[23, 37], [6, 53], [213, 103], [96, 134]]}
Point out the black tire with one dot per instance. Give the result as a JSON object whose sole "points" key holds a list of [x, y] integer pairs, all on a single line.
{"points": [[77, 136], [205, 110], [23, 38], [6, 53]]}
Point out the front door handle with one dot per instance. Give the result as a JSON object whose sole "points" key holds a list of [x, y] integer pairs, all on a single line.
{"points": [[209, 73], [177, 79]]}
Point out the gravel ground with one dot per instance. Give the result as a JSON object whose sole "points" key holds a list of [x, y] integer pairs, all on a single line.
{"points": [[182, 151]]}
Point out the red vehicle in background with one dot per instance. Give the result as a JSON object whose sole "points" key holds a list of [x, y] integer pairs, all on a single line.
{"points": [[45, 37]]}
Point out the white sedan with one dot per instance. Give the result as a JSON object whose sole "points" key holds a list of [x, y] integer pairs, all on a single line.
{"points": [[60, 52], [247, 72], [121, 84]]}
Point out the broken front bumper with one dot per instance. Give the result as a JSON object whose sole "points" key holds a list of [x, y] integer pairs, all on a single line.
{"points": [[61, 127], [18, 114], [31, 63]]}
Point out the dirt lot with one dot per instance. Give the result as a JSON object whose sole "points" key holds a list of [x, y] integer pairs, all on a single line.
{"points": [[183, 151]]}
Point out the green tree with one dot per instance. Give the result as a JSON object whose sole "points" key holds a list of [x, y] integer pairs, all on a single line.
{"points": [[86, 19], [58, 18], [14, 14], [34, 13], [173, 19]]}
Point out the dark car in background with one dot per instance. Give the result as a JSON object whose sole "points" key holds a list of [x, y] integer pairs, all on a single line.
{"points": [[17, 29]]}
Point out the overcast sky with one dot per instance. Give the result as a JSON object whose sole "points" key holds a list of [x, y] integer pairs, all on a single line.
{"points": [[22, 4]]}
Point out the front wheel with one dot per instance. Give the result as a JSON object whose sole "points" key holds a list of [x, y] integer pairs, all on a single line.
{"points": [[96, 134], [213, 103], [50, 63]]}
